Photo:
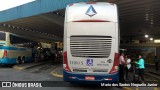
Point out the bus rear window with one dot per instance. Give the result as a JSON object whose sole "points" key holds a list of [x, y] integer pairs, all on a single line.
{"points": [[2, 36]]}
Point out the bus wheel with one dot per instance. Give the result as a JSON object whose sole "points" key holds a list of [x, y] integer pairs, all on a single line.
{"points": [[23, 59], [18, 61]]}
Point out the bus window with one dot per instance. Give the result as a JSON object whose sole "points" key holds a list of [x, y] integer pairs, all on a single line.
{"points": [[17, 40], [2, 36]]}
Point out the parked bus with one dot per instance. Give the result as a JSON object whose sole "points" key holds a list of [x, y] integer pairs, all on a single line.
{"points": [[12, 49], [91, 42]]}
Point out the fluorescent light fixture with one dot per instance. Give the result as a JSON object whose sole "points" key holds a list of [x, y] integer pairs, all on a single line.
{"points": [[146, 36], [157, 41], [151, 39], [151, 23]]}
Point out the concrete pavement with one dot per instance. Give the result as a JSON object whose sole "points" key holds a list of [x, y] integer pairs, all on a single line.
{"points": [[151, 68], [28, 65], [58, 72]]}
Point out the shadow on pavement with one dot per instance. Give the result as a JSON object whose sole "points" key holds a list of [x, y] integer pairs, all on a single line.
{"points": [[6, 66]]}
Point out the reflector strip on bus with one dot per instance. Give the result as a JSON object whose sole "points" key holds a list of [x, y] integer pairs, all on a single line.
{"points": [[91, 21], [108, 79], [91, 3]]}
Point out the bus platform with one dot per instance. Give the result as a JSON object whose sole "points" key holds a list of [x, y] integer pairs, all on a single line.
{"points": [[151, 71], [28, 65]]}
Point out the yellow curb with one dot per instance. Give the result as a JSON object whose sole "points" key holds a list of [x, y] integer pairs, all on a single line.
{"points": [[156, 88], [18, 68], [56, 74], [126, 88]]}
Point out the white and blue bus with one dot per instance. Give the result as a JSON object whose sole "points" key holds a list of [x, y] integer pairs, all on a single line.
{"points": [[91, 42], [11, 50]]}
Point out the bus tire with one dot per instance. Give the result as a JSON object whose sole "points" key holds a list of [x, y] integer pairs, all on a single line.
{"points": [[18, 61], [23, 59]]}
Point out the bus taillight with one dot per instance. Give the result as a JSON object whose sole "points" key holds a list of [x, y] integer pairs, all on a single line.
{"points": [[4, 54], [65, 62], [115, 64]]}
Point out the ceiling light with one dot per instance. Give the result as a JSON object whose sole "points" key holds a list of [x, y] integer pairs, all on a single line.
{"points": [[152, 23], [151, 39], [146, 36], [157, 41], [147, 14], [151, 20], [147, 19]]}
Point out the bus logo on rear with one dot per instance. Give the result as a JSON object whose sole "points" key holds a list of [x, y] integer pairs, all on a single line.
{"points": [[91, 11], [89, 62]]}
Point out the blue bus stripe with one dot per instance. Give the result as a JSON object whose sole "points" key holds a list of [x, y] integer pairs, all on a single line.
{"points": [[80, 77], [11, 48]]}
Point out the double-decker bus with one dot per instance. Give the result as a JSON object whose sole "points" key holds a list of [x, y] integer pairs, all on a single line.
{"points": [[12, 50], [91, 42]]}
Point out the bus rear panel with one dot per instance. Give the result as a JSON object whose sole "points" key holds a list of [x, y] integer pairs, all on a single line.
{"points": [[91, 43]]}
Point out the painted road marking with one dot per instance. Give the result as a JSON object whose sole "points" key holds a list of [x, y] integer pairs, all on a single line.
{"points": [[127, 88], [156, 88], [18, 68], [56, 74]]}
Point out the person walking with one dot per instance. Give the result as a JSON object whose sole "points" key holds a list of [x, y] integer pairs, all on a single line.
{"points": [[141, 67], [128, 65], [121, 67], [156, 63]]}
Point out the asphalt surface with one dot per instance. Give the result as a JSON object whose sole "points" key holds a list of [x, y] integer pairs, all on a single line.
{"points": [[8, 73], [43, 73]]}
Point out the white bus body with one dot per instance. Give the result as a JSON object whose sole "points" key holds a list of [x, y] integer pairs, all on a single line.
{"points": [[12, 54], [91, 42]]}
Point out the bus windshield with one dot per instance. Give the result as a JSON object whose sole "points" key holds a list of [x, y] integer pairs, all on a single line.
{"points": [[2, 36]]}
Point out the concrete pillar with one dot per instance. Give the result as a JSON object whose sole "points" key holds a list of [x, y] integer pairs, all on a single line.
{"points": [[158, 52], [53, 46]]}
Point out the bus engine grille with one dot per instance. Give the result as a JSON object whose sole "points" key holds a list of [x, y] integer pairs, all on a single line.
{"points": [[90, 46]]}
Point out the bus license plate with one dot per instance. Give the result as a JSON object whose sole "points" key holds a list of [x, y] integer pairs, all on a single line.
{"points": [[89, 78]]}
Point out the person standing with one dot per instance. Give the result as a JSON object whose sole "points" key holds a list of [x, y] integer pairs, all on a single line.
{"points": [[128, 65], [121, 67], [156, 63], [141, 67]]}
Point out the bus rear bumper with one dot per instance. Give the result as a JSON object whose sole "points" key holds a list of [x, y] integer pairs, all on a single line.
{"points": [[99, 78]]}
